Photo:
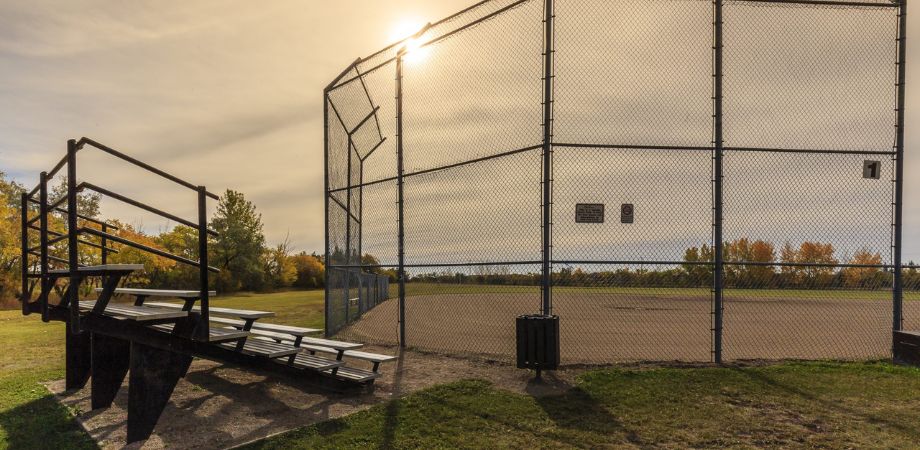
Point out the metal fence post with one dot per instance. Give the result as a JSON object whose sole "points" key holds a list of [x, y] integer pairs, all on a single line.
{"points": [[24, 256], [546, 288], [718, 270], [326, 262], [399, 199], [203, 263], [348, 252], [72, 249], [898, 288]]}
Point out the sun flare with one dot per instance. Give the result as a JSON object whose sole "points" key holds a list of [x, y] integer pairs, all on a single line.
{"points": [[406, 29]]}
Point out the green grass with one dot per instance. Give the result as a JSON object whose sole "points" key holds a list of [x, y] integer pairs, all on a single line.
{"points": [[788, 405], [29, 415], [296, 308]]}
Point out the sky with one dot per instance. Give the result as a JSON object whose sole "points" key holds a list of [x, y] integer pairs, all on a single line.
{"points": [[228, 94]]}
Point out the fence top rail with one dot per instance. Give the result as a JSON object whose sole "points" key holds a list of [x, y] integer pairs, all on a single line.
{"points": [[893, 4], [436, 37]]}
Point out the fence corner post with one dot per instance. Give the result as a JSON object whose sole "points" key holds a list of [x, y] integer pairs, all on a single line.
{"points": [[718, 241], [399, 196], [898, 217], [546, 305]]}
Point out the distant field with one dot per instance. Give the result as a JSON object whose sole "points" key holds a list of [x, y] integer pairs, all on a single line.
{"points": [[297, 308]]}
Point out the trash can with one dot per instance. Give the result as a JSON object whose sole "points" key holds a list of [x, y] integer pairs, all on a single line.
{"points": [[538, 342]]}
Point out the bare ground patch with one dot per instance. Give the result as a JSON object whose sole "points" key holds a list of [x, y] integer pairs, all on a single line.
{"points": [[218, 406]]}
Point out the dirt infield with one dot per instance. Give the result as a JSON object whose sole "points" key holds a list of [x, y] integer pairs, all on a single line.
{"points": [[609, 327]]}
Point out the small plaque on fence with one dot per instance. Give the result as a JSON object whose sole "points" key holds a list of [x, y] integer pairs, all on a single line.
{"points": [[589, 213], [627, 213]]}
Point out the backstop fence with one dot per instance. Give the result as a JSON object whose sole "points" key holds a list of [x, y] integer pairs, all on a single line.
{"points": [[686, 180]]}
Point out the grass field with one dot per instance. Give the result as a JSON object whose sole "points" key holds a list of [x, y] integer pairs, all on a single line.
{"points": [[787, 405]]}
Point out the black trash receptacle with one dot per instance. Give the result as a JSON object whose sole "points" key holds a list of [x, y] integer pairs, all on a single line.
{"points": [[538, 342]]}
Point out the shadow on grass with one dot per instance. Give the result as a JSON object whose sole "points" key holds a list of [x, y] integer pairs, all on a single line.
{"points": [[42, 423], [571, 407], [391, 416]]}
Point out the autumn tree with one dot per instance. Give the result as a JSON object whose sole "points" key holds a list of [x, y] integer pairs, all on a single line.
{"points": [[310, 271], [698, 274], [154, 266], [864, 277], [751, 276], [280, 270], [9, 242]]}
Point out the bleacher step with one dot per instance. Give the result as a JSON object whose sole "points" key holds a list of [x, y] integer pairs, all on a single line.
{"points": [[136, 313], [353, 374], [268, 349], [217, 335], [305, 361]]}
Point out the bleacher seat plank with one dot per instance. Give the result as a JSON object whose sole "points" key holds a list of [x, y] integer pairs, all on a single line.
{"points": [[264, 348], [338, 345], [372, 357], [170, 293], [355, 375], [216, 334], [305, 361], [136, 313], [271, 327], [225, 312]]}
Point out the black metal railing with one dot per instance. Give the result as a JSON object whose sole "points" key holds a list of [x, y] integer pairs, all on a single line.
{"points": [[95, 233]]}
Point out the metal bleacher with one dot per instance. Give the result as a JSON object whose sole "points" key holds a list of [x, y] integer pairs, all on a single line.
{"points": [[154, 341]]}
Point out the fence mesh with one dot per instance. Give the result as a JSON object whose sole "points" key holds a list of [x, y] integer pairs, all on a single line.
{"points": [[435, 154]]}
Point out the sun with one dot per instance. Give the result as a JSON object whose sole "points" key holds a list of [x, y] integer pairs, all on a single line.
{"points": [[404, 30]]}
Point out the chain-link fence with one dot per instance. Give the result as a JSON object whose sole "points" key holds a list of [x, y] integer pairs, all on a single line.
{"points": [[683, 180]]}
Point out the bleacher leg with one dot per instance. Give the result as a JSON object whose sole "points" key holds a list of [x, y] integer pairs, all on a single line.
{"points": [[153, 377], [77, 356], [110, 358]]}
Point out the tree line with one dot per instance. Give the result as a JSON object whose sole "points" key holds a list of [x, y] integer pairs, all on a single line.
{"points": [[240, 251], [750, 264]]}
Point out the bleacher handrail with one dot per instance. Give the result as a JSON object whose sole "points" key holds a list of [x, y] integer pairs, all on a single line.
{"points": [[74, 230]]}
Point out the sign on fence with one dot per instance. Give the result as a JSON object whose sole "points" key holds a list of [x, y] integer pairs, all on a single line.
{"points": [[589, 213]]}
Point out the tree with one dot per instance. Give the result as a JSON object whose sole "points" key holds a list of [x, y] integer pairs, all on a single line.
{"points": [[864, 277], [698, 274], [180, 241], [310, 271], [279, 267], [750, 276], [155, 267], [238, 248], [87, 203], [9, 243]]}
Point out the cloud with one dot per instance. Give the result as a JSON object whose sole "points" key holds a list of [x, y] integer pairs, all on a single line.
{"points": [[229, 95]]}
